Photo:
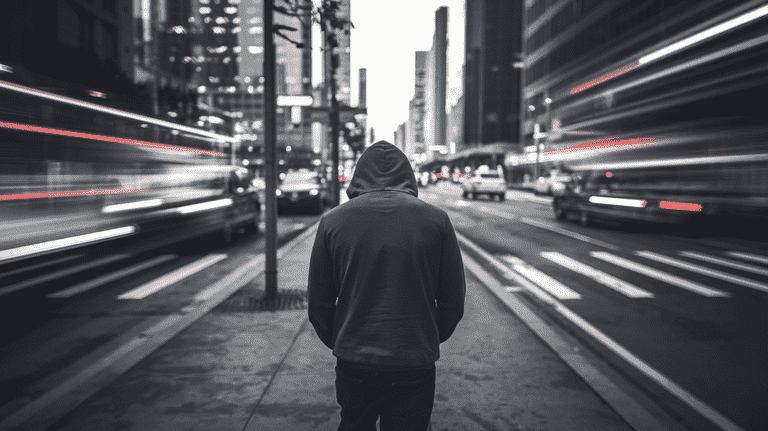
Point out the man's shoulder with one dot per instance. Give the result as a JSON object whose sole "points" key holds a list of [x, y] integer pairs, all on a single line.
{"points": [[416, 206]]}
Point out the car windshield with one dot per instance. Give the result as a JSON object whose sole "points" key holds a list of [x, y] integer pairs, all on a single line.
{"points": [[301, 179], [490, 176]]}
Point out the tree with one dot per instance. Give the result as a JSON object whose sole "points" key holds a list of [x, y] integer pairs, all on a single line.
{"points": [[326, 13]]}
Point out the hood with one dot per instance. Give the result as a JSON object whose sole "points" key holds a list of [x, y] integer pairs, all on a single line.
{"points": [[382, 167]]}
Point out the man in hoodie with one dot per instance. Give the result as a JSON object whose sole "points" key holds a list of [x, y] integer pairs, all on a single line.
{"points": [[386, 287]]}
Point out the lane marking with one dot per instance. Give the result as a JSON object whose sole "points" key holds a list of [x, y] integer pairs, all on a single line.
{"points": [[515, 289], [601, 277], [554, 287], [636, 416], [568, 233], [725, 262], [161, 283], [735, 279], [63, 273], [96, 282], [214, 289], [41, 265], [659, 275], [748, 256]]}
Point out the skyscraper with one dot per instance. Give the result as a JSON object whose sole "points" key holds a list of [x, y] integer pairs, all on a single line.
{"points": [[491, 83], [414, 141], [437, 64]]}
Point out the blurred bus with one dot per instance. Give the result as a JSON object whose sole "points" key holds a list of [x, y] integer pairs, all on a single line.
{"points": [[74, 174]]}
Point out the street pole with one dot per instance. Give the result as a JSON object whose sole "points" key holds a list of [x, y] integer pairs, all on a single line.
{"points": [[334, 122], [269, 154], [536, 129]]}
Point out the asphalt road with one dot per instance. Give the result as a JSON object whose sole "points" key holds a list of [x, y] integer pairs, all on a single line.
{"points": [[692, 305]]}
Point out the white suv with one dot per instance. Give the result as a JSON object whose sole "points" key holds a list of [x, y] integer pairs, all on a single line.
{"points": [[485, 183]]}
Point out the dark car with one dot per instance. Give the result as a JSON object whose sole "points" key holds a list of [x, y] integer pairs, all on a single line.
{"points": [[617, 195], [302, 190], [246, 206]]}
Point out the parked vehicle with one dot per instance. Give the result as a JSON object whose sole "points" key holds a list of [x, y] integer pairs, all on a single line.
{"points": [[545, 185], [303, 189], [485, 183]]}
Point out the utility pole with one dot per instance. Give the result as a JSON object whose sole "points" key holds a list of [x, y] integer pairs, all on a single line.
{"points": [[270, 132]]}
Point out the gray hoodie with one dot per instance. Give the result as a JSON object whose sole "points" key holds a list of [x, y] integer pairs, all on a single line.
{"points": [[393, 263]]}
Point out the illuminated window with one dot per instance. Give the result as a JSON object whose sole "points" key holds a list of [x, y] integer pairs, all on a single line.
{"points": [[255, 49], [236, 30], [254, 21], [191, 19], [219, 30], [213, 79], [204, 10], [236, 50], [254, 30], [230, 10], [187, 59], [221, 20], [226, 60], [236, 20], [234, 1], [205, 1], [207, 20]]}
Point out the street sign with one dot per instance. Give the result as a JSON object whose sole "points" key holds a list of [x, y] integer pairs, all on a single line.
{"points": [[294, 100]]}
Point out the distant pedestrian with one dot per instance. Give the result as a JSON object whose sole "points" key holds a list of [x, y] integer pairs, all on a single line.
{"points": [[386, 287]]}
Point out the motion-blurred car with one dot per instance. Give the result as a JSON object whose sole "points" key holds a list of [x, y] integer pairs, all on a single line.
{"points": [[303, 189], [485, 183], [546, 185]]}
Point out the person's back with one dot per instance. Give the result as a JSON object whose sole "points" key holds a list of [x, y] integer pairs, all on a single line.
{"points": [[393, 263]]}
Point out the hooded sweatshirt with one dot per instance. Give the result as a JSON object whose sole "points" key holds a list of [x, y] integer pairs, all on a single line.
{"points": [[386, 278]]}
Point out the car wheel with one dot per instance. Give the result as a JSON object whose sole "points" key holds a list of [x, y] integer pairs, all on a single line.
{"points": [[252, 228], [560, 213], [584, 218], [226, 234]]}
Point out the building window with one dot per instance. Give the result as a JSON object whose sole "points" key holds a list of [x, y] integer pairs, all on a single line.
{"points": [[205, 10]]}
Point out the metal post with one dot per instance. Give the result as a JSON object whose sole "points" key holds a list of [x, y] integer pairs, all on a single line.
{"points": [[536, 130], [334, 124], [270, 133]]}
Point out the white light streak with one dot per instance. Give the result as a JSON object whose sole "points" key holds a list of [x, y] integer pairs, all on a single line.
{"points": [[29, 250], [634, 203], [131, 206], [204, 206]]}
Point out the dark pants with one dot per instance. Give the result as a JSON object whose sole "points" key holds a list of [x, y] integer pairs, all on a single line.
{"points": [[402, 397]]}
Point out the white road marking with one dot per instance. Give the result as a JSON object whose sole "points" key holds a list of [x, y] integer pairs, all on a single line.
{"points": [[614, 283], [566, 232], [629, 409], [100, 281], [41, 265], [741, 281], [659, 275], [58, 274], [748, 256], [513, 289], [725, 262], [161, 283], [554, 287]]}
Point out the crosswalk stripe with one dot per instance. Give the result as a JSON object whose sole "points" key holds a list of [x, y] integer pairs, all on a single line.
{"points": [[100, 281], [659, 275], [614, 283], [706, 271], [156, 285], [725, 262], [748, 256], [63, 273], [554, 287]]}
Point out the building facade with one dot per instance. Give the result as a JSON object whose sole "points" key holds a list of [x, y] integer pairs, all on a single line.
{"points": [[491, 82], [435, 94], [415, 136]]}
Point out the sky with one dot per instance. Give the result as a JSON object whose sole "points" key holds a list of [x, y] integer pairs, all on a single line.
{"points": [[384, 40]]}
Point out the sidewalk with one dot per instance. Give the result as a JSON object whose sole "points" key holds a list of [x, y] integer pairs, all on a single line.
{"points": [[239, 368]]}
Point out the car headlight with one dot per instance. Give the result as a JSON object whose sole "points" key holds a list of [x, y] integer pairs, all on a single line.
{"points": [[314, 192], [278, 192]]}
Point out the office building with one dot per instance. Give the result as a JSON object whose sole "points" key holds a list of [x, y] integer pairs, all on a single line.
{"points": [[435, 89], [491, 82]]}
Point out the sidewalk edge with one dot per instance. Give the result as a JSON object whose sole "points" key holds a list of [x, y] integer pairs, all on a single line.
{"points": [[51, 406]]}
